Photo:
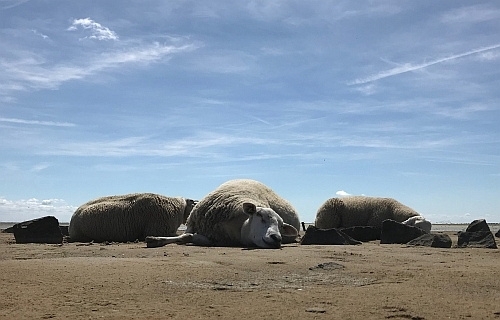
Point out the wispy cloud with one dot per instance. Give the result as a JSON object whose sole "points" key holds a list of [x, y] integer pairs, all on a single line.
{"points": [[229, 62], [7, 4], [40, 167], [37, 122], [97, 31], [34, 72], [462, 112], [408, 67], [471, 14], [145, 146], [39, 34]]}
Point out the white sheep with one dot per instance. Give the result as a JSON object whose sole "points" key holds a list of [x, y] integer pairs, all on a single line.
{"points": [[238, 213], [366, 211], [129, 217], [419, 222]]}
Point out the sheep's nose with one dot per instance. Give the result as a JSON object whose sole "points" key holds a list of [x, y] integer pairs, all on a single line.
{"points": [[276, 238]]}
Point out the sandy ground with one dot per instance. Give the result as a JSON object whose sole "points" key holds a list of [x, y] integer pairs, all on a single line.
{"points": [[130, 281]]}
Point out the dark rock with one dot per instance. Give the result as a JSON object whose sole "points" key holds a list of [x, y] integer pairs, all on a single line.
{"points": [[478, 225], [396, 232], [362, 233], [436, 240], [333, 236], [327, 266], [8, 230], [497, 234], [316, 310], [41, 230], [478, 239], [64, 230]]}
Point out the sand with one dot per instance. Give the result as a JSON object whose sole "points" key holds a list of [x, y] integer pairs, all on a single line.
{"points": [[130, 281]]}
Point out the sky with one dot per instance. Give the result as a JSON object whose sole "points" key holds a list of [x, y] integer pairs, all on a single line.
{"points": [[316, 99]]}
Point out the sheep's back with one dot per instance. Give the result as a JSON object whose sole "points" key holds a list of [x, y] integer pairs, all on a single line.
{"points": [[361, 211], [126, 218]]}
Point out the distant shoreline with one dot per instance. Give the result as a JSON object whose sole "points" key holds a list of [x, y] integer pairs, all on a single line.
{"points": [[437, 227]]}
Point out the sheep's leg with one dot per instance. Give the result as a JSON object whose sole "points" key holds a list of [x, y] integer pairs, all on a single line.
{"points": [[198, 239], [201, 240], [154, 242]]}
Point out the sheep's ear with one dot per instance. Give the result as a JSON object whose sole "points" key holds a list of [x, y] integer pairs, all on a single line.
{"points": [[289, 230], [249, 208]]}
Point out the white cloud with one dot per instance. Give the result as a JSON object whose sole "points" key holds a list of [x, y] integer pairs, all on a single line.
{"points": [[22, 210], [97, 31], [342, 193]]}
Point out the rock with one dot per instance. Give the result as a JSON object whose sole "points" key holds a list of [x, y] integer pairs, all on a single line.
{"points": [[327, 266], [362, 233], [497, 234], [316, 310], [435, 240], [333, 236], [478, 225], [41, 230], [477, 239], [64, 230], [8, 230], [396, 232]]}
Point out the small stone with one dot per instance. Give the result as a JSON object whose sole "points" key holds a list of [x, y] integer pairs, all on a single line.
{"points": [[316, 310]]}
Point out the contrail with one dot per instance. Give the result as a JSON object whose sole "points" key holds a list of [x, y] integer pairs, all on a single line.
{"points": [[36, 122], [408, 67]]}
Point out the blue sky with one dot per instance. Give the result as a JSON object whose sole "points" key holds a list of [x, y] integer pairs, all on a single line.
{"points": [[316, 99]]}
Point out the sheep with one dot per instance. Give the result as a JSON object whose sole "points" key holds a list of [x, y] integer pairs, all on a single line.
{"points": [[366, 211], [239, 213], [419, 222], [129, 217]]}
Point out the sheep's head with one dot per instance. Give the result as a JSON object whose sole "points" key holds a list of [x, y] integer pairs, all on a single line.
{"points": [[419, 222], [264, 228], [189, 207]]}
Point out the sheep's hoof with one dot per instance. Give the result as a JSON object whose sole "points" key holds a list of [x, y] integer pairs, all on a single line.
{"points": [[154, 242]]}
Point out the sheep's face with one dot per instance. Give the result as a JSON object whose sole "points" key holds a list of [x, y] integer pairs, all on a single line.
{"points": [[264, 227], [419, 222], [189, 207]]}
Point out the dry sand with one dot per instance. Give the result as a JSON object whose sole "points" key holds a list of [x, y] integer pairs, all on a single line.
{"points": [[130, 281]]}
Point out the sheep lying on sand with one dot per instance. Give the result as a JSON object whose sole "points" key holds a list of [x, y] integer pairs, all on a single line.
{"points": [[238, 213], [366, 211], [129, 217]]}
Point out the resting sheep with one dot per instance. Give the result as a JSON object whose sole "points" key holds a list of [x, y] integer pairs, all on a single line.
{"points": [[355, 211], [128, 217], [238, 213]]}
